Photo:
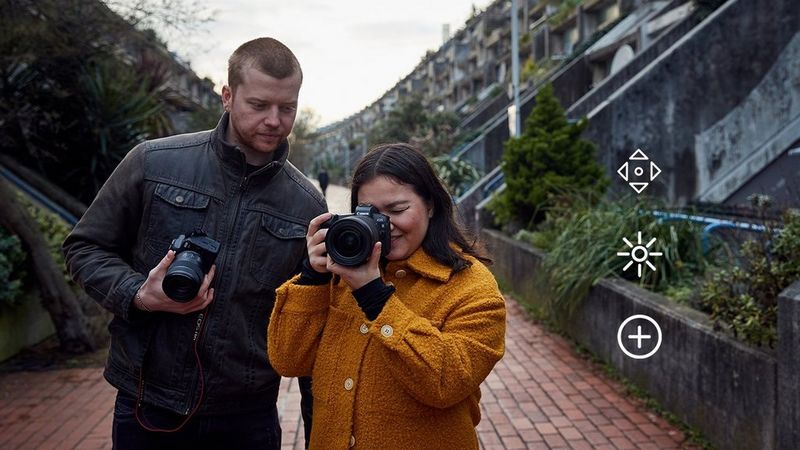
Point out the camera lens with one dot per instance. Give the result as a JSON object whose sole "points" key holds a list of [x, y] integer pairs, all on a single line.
{"points": [[348, 243], [350, 240], [184, 277]]}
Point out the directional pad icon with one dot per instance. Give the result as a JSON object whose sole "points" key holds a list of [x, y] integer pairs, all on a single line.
{"points": [[639, 171]]}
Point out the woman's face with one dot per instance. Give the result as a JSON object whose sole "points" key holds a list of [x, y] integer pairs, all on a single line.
{"points": [[407, 211]]}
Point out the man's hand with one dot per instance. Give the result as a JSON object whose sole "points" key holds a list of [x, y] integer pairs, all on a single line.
{"points": [[151, 296]]}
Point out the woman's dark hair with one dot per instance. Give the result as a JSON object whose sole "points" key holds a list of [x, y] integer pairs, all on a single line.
{"points": [[406, 164]]}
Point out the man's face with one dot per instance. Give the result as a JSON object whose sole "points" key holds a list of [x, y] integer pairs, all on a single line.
{"points": [[262, 112]]}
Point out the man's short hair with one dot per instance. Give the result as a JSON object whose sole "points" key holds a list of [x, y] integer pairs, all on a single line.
{"points": [[268, 55]]}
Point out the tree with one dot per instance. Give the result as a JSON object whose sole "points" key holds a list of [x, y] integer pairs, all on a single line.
{"points": [[456, 174], [79, 87], [301, 141], [549, 159], [434, 133], [59, 300]]}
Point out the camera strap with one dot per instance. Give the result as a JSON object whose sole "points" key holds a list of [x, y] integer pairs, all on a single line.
{"points": [[198, 331]]}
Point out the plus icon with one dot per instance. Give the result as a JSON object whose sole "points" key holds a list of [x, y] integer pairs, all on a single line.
{"points": [[639, 336], [638, 321]]}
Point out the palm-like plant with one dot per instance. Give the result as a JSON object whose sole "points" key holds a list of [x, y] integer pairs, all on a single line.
{"points": [[456, 173], [122, 109]]}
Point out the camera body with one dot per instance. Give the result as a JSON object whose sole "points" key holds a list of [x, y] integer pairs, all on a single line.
{"points": [[194, 256], [351, 237]]}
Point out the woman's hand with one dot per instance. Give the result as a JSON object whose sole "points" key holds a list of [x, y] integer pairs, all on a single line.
{"points": [[358, 276], [315, 243]]}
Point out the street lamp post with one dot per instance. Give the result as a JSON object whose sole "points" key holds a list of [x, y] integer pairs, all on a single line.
{"points": [[346, 161], [515, 67]]}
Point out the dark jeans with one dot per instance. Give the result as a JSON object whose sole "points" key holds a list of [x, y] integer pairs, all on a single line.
{"points": [[252, 430], [306, 406]]}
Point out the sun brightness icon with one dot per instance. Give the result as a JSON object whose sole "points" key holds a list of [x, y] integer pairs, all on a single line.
{"points": [[639, 253]]}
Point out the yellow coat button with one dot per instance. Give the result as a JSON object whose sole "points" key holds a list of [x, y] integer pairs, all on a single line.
{"points": [[387, 331], [400, 273], [364, 329], [352, 441], [348, 384]]}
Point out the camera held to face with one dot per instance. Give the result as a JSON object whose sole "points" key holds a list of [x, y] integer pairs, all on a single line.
{"points": [[351, 237], [194, 256]]}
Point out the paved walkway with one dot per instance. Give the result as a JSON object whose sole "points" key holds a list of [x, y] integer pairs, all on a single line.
{"points": [[541, 396], [338, 198]]}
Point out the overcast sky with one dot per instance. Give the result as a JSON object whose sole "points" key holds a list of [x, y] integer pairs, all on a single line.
{"points": [[351, 51]]}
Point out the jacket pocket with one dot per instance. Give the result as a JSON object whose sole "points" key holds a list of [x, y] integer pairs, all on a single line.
{"points": [[279, 247], [173, 211]]}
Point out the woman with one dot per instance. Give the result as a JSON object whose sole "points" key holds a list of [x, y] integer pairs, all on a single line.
{"points": [[397, 347]]}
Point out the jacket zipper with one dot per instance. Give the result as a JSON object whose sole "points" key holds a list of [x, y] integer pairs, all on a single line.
{"points": [[240, 194]]}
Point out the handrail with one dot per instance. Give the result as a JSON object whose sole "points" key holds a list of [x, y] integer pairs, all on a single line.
{"points": [[38, 196], [712, 224]]}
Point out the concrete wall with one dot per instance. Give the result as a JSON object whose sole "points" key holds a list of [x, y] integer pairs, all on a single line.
{"points": [[602, 91], [789, 367], [722, 387], [725, 389], [23, 326], [715, 101]]}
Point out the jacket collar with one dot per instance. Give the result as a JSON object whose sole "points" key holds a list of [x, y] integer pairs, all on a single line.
{"points": [[423, 264], [232, 156]]}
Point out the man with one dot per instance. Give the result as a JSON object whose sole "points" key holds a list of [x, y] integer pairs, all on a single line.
{"points": [[195, 374]]}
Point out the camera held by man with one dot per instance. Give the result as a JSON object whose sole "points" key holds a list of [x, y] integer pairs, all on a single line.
{"points": [[194, 256], [351, 237]]}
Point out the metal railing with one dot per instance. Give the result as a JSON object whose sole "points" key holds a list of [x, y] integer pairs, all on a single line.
{"points": [[36, 195]]}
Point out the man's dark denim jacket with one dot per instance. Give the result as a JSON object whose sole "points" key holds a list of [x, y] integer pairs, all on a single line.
{"points": [[172, 186]]}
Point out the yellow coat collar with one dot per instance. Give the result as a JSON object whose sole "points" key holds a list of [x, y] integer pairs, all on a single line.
{"points": [[423, 264]]}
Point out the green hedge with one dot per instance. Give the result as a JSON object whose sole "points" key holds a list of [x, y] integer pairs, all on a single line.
{"points": [[15, 273], [12, 268]]}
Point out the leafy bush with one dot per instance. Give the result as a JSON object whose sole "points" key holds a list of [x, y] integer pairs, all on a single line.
{"points": [[12, 268], [458, 175], [584, 237], [14, 259], [435, 133], [54, 230], [548, 159], [564, 11], [80, 89], [744, 299]]}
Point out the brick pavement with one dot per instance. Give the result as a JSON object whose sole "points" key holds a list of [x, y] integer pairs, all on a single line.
{"points": [[541, 396]]}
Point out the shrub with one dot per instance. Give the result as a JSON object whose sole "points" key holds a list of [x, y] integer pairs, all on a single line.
{"points": [[589, 234], [14, 260], [547, 160], [12, 268], [744, 299], [458, 175], [434, 132], [54, 230]]}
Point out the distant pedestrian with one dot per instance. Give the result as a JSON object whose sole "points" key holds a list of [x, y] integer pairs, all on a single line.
{"points": [[322, 177]]}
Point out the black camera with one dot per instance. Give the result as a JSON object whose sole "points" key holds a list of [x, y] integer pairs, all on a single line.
{"points": [[351, 237], [194, 256]]}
